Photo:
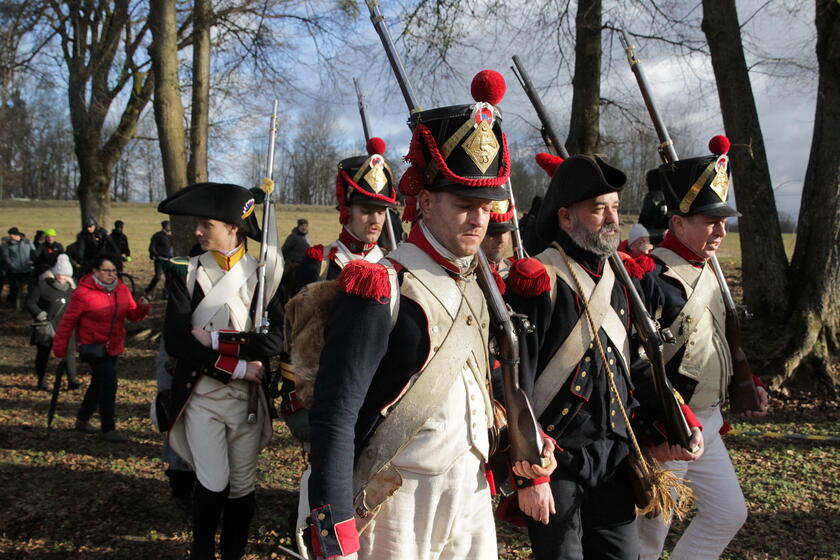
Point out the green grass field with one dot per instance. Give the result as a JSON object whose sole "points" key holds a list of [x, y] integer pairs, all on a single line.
{"points": [[69, 495]]}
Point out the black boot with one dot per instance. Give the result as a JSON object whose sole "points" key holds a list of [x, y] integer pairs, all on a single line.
{"points": [[235, 524], [182, 483], [207, 507]]}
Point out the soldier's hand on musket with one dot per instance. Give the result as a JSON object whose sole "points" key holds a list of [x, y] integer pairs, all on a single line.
{"points": [[203, 337], [254, 372], [763, 404], [527, 470], [666, 452], [537, 502]]}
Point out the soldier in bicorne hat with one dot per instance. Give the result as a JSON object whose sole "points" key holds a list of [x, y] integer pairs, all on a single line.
{"points": [[208, 330], [683, 291], [401, 410], [364, 190], [584, 387]]}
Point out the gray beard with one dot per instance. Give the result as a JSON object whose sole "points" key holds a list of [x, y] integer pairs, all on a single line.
{"points": [[596, 242]]}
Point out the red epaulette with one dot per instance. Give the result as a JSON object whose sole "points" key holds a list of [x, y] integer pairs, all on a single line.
{"points": [[528, 277], [500, 282], [365, 279], [316, 253], [637, 266]]}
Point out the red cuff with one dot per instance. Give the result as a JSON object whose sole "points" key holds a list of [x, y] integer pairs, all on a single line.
{"points": [[226, 364], [759, 383], [542, 480], [692, 420]]}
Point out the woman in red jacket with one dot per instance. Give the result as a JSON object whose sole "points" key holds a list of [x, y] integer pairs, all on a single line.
{"points": [[97, 311]]}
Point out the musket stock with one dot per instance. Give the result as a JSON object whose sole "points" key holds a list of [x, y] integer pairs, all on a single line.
{"points": [[523, 431]]}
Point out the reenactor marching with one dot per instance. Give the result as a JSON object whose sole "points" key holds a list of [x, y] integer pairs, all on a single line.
{"points": [[684, 292], [219, 362]]}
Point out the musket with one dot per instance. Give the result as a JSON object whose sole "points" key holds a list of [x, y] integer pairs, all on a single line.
{"points": [[261, 322], [523, 431], [650, 335], [743, 396], [389, 228]]}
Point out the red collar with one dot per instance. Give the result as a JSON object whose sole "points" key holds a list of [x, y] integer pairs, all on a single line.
{"points": [[356, 245], [416, 237], [671, 242]]}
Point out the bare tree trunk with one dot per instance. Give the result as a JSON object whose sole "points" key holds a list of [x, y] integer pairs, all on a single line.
{"points": [[169, 111], [199, 121], [764, 263], [811, 353], [585, 126]]}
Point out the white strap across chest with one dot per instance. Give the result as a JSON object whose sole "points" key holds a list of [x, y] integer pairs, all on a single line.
{"points": [[568, 356], [343, 256], [700, 287], [223, 292]]}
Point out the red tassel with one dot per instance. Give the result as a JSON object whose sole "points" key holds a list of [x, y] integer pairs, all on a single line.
{"points": [[500, 282], [412, 181], [365, 279], [637, 266], [410, 214], [548, 162], [316, 253], [528, 278]]}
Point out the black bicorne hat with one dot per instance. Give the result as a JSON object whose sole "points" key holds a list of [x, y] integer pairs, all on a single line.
{"points": [[225, 202], [365, 180], [460, 149], [577, 178], [697, 185]]}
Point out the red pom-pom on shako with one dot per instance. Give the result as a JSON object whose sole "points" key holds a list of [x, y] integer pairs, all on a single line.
{"points": [[528, 277], [316, 253], [365, 279], [719, 145], [548, 162], [375, 146], [488, 86]]}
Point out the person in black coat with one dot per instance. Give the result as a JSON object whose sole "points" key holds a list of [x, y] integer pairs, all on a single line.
{"points": [[46, 254], [160, 251], [120, 241], [92, 242]]}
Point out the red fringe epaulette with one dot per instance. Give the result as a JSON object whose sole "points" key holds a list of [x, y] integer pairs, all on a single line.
{"points": [[365, 279], [528, 277], [316, 253], [500, 282], [637, 266]]}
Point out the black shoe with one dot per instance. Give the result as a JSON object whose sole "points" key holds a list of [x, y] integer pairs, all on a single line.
{"points": [[42, 386], [85, 427]]}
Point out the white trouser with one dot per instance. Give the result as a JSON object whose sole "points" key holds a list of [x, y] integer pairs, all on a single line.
{"points": [[720, 503], [435, 517], [223, 444]]}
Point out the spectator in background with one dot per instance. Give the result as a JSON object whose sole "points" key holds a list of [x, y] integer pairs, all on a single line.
{"points": [[120, 241], [47, 302], [296, 243], [637, 242], [97, 311], [46, 254], [38, 239], [93, 242], [160, 251], [16, 255]]}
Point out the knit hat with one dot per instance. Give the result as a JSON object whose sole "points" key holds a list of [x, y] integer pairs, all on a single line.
{"points": [[62, 266], [637, 232], [50, 232]]}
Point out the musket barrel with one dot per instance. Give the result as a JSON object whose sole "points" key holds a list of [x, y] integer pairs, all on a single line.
{"points": [[378, 21]]}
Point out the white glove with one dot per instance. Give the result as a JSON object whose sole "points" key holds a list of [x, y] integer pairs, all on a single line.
{"points": [[41, 316]]}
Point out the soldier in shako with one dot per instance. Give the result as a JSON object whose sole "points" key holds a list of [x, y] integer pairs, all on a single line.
{"points": [[684, 292], [496, 244], [209, 319], [401, 409], [583, 387], [364, 190]]}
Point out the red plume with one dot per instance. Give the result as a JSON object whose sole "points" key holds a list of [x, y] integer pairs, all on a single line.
{"points": [[719, 145], [375, 146], [548, 162], [488, 86]]}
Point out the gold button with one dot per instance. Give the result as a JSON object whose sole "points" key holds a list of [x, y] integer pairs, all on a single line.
{"points": [[469, 319], [322, 516], [565, 411], [590, 346], [519, 483], [613, 424], [324, 533], [612, 413], [612, 361], [587, 359], [435, 349], [621, 312], [550, 427], [484, 324], [583, 374], [577, 387], [472, 397], [609, 348]]}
